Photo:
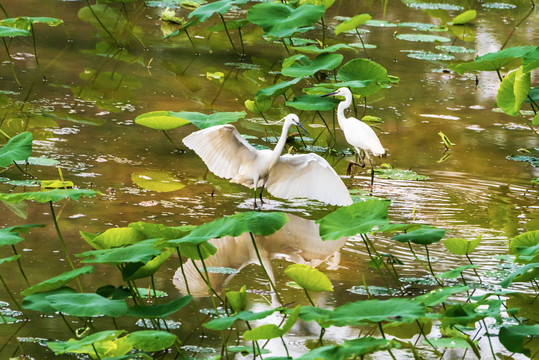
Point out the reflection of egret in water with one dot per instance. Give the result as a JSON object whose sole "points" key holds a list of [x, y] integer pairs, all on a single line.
{"points": [[297, 241]]}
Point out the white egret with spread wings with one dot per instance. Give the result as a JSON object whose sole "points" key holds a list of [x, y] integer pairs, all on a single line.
{"points": [[228, 155]]}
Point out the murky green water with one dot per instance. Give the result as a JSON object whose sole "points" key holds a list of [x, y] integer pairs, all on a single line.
{"points": [[83, 116]]}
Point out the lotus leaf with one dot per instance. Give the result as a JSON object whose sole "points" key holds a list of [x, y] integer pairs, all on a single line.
{"points": [[57, 281], [87, 305], [142, 251], [160, 120], [282, 20], [305, 67], [225, 322], [513, 91], [424, 236], [39, 301], [514, 338], [465, 17], [17, 148], [309, 278], [495, 60], [203, 121], [222, 6], [151, 340], [358, 218], [353, 23], [46, 196], [160, 310], [313, 103], [423, 38], [9, 31], [159, 181], [364, 70]]}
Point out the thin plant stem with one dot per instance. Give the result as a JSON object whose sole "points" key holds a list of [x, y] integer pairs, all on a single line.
{"points": [[228, 34], [377, 268], [241, 42], [154, 290], [285, 47], [20, 266], [332, 134], [421, 262], [62, 242], [4, 11], [518, 24], [12, 297], [183, 271], [474, 270], [264, 268], [212, 291], [362, 43], [67, 324], [384, 336], [100, 23], [430, 267], [323, 32], [308, 297], [488, 337], [172, 142], [35, 49], [11, 62], [191, 41], [285, 347]]}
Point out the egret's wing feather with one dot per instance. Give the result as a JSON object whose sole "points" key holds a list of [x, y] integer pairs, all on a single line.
{"points": [[361, 135], [308, 176], [222, 149]]}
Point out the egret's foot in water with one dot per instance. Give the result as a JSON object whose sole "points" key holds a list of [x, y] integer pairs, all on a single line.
{"points": [[352, 163]]}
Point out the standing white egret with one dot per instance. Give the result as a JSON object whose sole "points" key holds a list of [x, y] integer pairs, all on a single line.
{"points": [[227, 154], [358, 134]]}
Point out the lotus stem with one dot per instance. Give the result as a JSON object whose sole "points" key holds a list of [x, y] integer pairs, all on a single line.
{"points": [[208, 283], [362, 43], [327, 126], [35, 49], [308, 297], [384, 336], [192, 43], [241, 41], [364, 238], [67, 324], [518, 24], [183, 271], [285, 347], [488, 337], [264, 268], [474, 270], [430, 267], [172, 142], [62, 242], [4, 10], [323, 32], [101, 24], [12, 297], [11, 63], [228, 34], [20, 266], [285, 47]]}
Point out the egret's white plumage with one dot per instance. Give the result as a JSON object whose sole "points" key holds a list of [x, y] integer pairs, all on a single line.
{"points": [[358, 134], [227, 154]]}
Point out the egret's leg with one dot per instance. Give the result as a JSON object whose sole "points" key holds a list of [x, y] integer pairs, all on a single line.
{"points": [[359, 157], [372, 170], [255, 183], [260, 195]]}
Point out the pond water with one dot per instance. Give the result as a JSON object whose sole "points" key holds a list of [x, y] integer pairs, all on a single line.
{"points": [[81, 101]]}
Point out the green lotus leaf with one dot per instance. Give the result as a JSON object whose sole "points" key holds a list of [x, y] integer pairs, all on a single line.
{"points": [[113, 238], [525, 246], [142, 251], [424, 236], [364, 70], [46, 196], [461, 246], [133, 271], [160, 120], [159, 231], [464, 18], [513, 91], [86, 345], [309, 278], [159, 181], [326, 3], [57, 281], [230, 25], [277, 89], [281, 20], [358, 218], [160, 310], [272, 331], [313, 103], [22, 228], [449, 342], [494, 61], [430, 56], [25, 22], [237, 299], [399, 174], [392, 310], [38, 161], [254, 222], [438, 296], [87, 305], [353, 23], [423, 38], [350, 349], [8, 238], [203, 121], [39, 301], [151, 340], [523, 273], [305, 67], [9, 259], [514, 338], [456, 272], [222, 6], [530, 60], [225, 322], [17, 148], [9, 31], [313, 49], [455, 49]]}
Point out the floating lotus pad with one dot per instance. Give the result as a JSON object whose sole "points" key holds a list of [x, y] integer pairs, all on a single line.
{"points": [[455, 49], [423, 38], [498, 6], [427, 55], [435, 6]]}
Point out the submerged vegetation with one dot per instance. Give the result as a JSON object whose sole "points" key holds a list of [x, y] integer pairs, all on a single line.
{"points": [[112, 297]]}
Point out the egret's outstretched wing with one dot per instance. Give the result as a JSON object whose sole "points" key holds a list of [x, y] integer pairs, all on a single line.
{"points": [[307, 176], [222, 149]]}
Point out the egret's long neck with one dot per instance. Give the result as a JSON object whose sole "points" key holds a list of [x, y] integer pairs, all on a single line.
{"points": [[343, 105], [282, 140]]}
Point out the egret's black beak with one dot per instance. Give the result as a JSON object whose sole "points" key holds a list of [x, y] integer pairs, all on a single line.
{"points": [[331, 93], [301, 126]]}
